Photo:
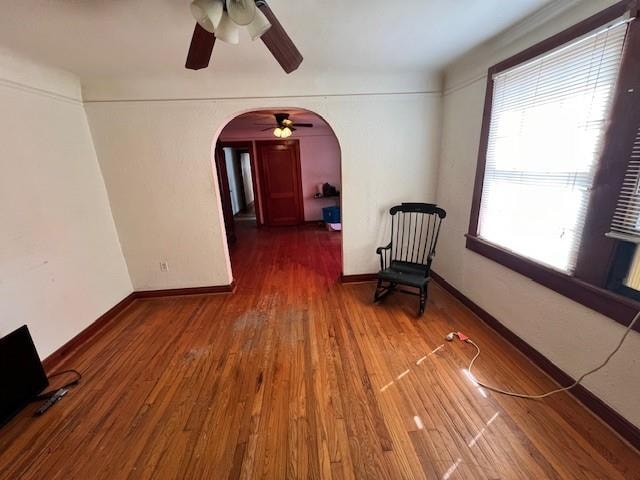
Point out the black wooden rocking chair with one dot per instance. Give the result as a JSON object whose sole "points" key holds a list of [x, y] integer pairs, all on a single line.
{"points": [[407, 259]]}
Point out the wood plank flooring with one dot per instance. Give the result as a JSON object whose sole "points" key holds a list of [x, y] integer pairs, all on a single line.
{"points": [[298, 376]]}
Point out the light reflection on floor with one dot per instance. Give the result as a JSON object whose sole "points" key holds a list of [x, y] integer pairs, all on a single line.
{"points": [[386, 386], [475, 439], [422, 359], [420, 424], [452, 469], [467, 374], [383, 388]]}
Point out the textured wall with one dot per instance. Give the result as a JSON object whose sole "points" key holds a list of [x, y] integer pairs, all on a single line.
{"points": [[156, 160], [61, 266], [320, 159], [572, 336]]}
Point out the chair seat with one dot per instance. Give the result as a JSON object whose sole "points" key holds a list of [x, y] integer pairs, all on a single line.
{"points": [[405, 273]]}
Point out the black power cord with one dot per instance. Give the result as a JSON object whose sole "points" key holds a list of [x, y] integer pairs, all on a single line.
{"points": [[51, 393]]}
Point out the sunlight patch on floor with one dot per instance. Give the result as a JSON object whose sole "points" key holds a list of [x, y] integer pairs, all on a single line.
{"points": [[406, 372], [468, 374], [451, 469], [418, 422]]}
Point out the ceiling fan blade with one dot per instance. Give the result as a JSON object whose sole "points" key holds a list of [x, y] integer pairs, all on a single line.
{"points": [[200, 49], [278, 42], [305, 125], [267, 129]]}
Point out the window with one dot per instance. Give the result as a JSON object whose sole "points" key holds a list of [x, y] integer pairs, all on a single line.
{"points": [[626, 219], [557, 191], [547, 121]]}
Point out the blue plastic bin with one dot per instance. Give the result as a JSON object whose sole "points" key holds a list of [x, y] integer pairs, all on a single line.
{"points": [[331, 214]]}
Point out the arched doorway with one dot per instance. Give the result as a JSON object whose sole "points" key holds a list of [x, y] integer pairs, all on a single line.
{"points": [[279, 176]]}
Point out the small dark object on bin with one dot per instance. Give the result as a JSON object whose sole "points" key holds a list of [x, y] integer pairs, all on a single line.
{"points": [[329, 190]]}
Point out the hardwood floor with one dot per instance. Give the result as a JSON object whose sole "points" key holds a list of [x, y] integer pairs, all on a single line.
{"points": [[298, 376]]}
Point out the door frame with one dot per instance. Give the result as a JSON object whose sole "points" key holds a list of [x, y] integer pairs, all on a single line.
{"points": [[298, 175], [225, 194], [249, 147]]}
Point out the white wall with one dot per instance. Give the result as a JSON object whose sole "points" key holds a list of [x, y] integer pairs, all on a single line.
{"points": [[270, 82], [572, 336], [245, 164], [156, 160], [232, 176], [61, 265], [320, 162]]}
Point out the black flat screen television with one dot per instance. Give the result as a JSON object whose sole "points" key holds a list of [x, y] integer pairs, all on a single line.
{"points": [[22, 376]]}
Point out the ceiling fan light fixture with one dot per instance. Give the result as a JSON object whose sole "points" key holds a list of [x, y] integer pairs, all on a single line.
{"points": [[228, 31], [286, 132], [259, 26], [223, 19], [278, 132], [207, 13], [242, 12]]}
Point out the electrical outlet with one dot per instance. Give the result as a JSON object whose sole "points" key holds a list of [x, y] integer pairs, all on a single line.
{"points": [[164, 266]]}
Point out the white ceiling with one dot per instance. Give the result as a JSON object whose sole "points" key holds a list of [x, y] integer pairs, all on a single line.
{"points": [[112, 38]]}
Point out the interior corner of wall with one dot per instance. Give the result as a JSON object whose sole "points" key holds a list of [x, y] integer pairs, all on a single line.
{"points": [[439, 149], [114, 224]]}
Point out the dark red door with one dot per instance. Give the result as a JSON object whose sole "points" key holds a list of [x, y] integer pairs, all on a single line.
{"points": [[281, 182]]}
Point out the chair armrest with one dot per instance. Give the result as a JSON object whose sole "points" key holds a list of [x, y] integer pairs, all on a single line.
{"points": [[379, 250], [383, 258]]}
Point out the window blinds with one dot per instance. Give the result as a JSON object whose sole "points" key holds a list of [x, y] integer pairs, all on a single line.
{"points": [[547, 121], [626, 219]]}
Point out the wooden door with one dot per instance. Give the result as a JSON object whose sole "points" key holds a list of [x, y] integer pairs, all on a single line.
{"points": [[280, 180], [225, 194]]}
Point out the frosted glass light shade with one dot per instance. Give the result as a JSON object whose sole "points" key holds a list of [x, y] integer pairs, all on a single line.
{"points": [[207, 13], [278, 132], [286, 132], [228, 31], [259, 26], [242, 12]]}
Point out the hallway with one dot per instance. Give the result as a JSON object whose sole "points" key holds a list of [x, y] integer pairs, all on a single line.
{"points": [[298, 376]]}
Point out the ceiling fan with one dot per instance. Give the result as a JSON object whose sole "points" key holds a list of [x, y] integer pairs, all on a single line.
{"points": [[223, 19], [284, 127]]}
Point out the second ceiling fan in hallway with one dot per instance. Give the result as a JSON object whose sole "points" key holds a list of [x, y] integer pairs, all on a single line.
{"points": [[284, 126]]}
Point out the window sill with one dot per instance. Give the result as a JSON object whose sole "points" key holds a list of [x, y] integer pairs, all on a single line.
{"points": [[617, 307]]}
